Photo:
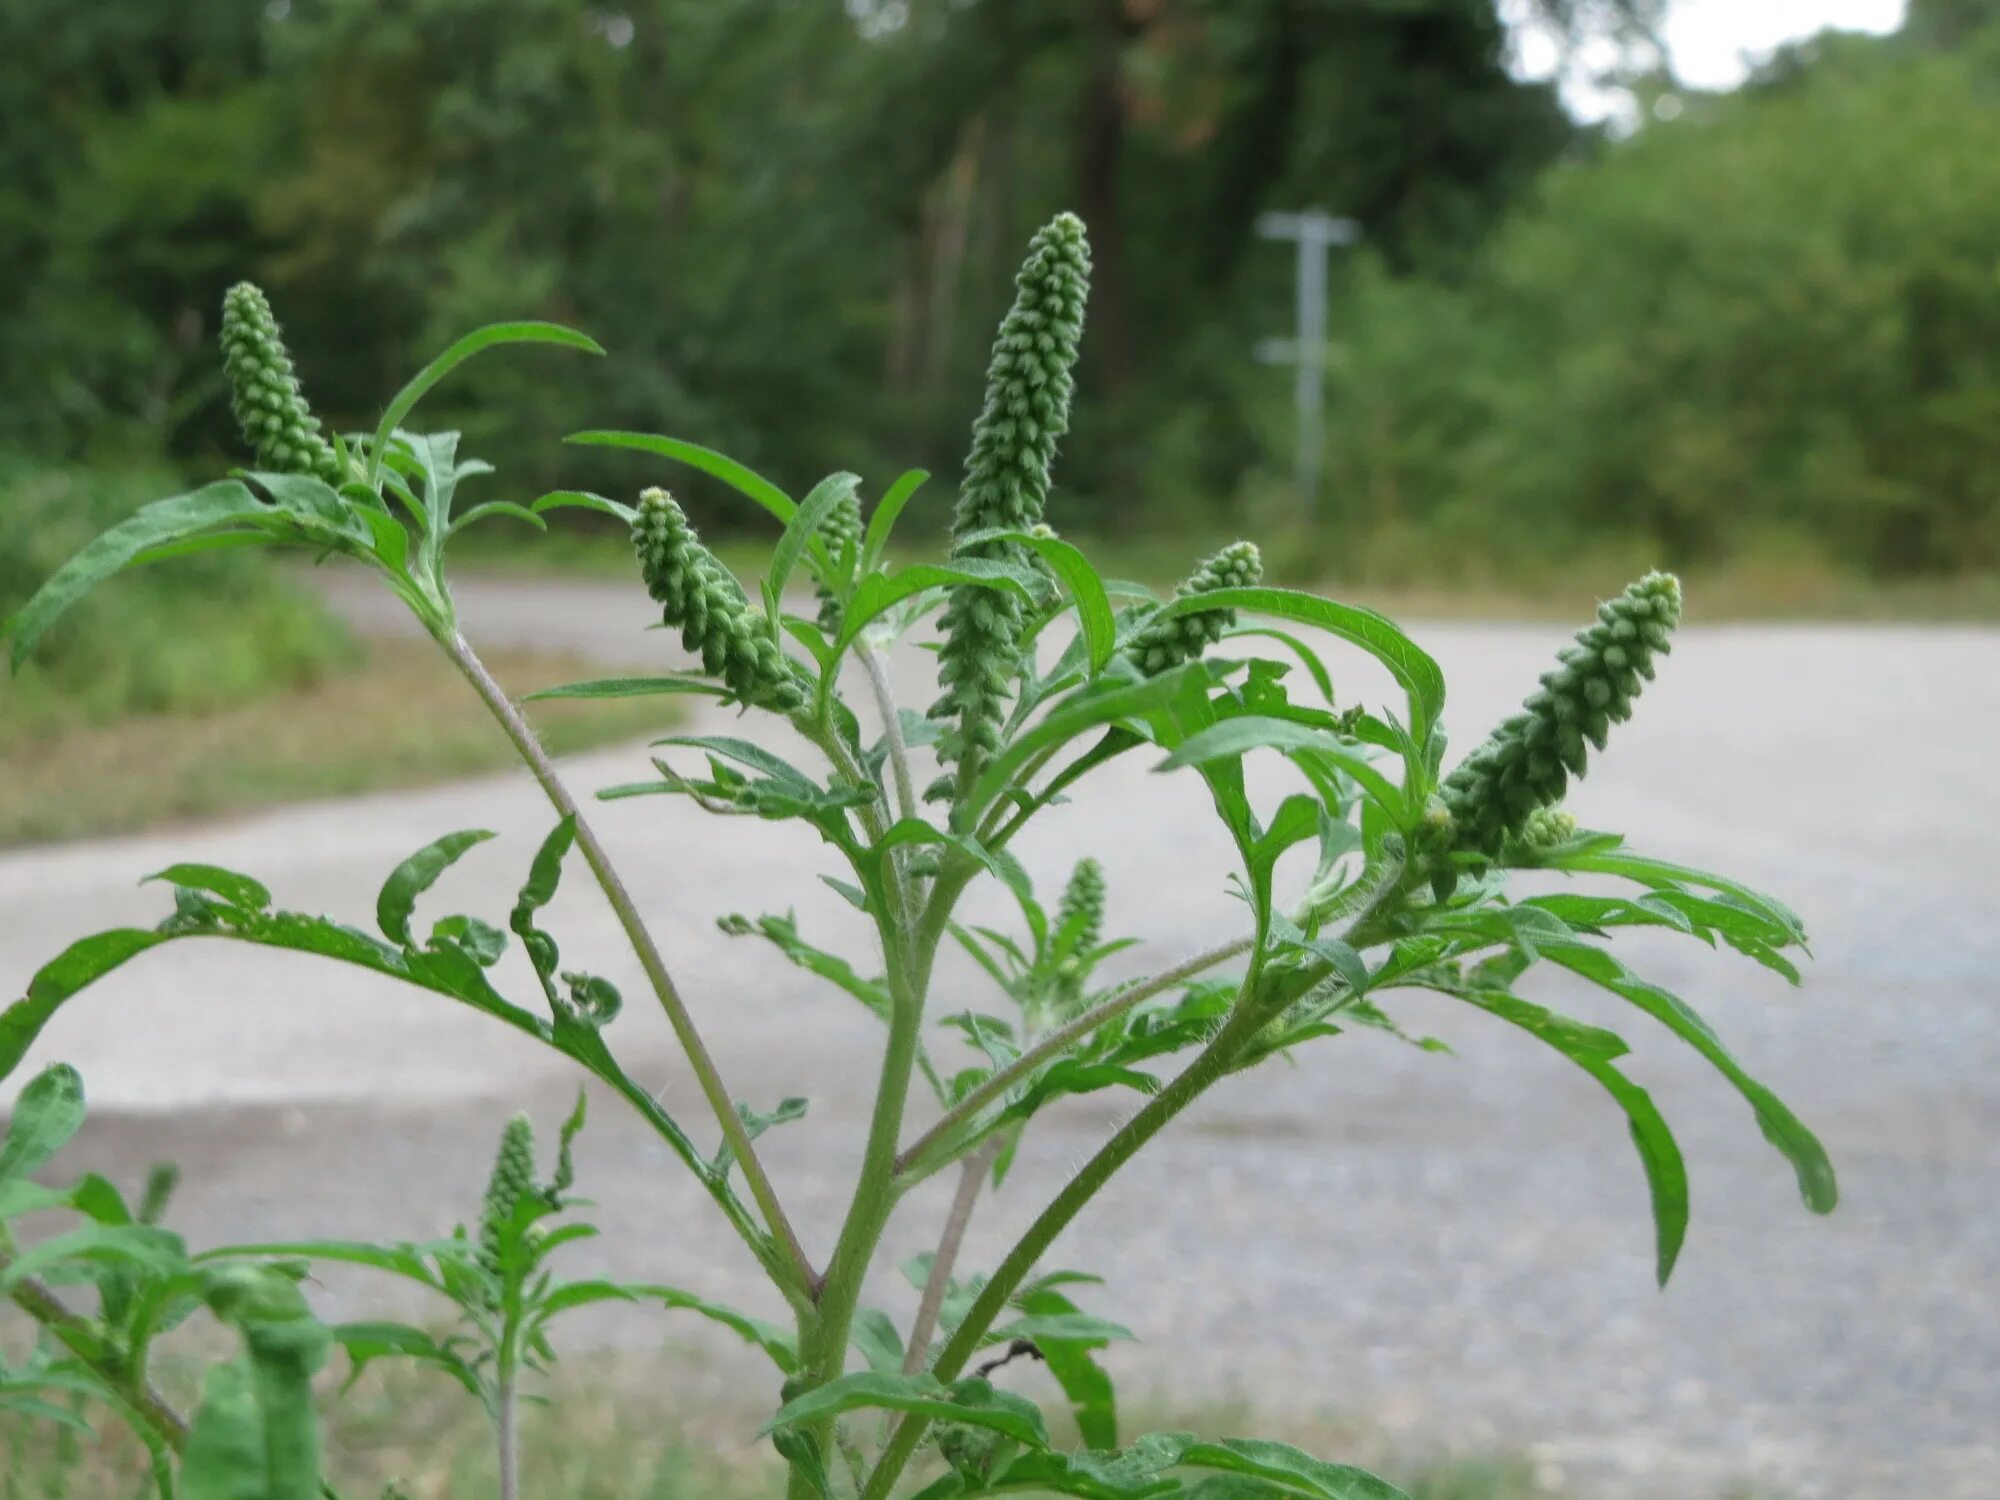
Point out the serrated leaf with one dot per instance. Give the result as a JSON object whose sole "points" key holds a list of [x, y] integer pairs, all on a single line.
{"points": [[874, 1334], [414, 876]]}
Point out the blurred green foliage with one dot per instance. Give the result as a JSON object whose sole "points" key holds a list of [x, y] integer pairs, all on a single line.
{"points": [[793, 225], [1777, 313], [1768, 322], [201, 634]]}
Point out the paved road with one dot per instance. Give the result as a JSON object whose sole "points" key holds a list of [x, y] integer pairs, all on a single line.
{"points": [[1454, 1249]]}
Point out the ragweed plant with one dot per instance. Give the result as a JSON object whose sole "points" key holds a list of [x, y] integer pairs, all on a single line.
{"points": [[1402, 879]]}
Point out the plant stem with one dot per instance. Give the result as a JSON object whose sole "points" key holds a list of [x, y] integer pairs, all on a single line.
{"points": [[508, 1440], [971, 1179], [40, 1303], [1208, 1067], [877, 668], [1059, 1041], [794, 1262]]}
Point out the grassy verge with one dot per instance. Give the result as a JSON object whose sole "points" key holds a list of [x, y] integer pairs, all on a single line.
{"points": [[346, 732], [1779, 581], [421, 1435]]}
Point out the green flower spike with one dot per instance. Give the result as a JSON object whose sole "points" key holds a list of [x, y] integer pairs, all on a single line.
{"points": [[842, 532], [1083, 904], [1526, 764], [1165, 644], [700, 597], [1028, 389], [513, 1181], [264, 392]]}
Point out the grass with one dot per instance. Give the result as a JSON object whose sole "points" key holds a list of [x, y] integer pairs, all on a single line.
{"points": [[344, 732], [600, 1441], [1776, 580]]}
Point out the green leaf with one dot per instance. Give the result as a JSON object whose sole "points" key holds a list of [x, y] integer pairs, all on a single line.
{"points": [[1308, 658], [1593, 1050], [47, 1115], [364, 1343], [880, 592], [406, 1261], [416, 875], [802, 531], [225, 1452], [627, 687], [507, 508], [473, 343], [883, 521], [1093, 1401], [227, 502], [1296, 1472], [1236, 736], [874, 1334], [284, 1346], [137, 1245], [1660, 874], [1103, 702], [738, 477], [777, 1343], [1085, 587], [1380, 637], [1817, 1183], [237, 890], [585, 500], [81, 964], [972, 1402]]}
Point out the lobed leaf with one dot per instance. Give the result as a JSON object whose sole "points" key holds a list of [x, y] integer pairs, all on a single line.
{"points": [[415, 875]]}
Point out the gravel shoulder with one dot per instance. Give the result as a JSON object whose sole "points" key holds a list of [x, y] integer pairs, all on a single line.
{"points": [[1453, 1248]]}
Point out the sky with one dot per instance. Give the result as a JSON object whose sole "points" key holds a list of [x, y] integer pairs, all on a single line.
{"points": [[1713, 43]]}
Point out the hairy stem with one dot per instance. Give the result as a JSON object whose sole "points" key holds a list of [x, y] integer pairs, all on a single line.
{"points": [[877, 667], [1210, 1065], [971, 1179], [40, 1303], [794, 1269], [1054, 1045], [505, 1436]]}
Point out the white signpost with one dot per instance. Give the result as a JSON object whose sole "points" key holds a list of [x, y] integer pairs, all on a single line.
{"points": [[1315, 232]]}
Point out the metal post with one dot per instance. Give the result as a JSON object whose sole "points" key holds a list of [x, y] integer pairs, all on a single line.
{"points": [[1314, 232]]}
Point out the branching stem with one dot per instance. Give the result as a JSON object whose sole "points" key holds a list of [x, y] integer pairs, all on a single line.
{"points": [[971, 1180], [40, 1303], [1054, 1045], [1210, 1065], [796, 1270]]}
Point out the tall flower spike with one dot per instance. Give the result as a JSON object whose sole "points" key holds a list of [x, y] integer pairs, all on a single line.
{"points": [[842, 533], [1083, 904], [1164, 644], [702, 599], [1028, 389], [512, 1181], [264, 392], [1526, 764]]}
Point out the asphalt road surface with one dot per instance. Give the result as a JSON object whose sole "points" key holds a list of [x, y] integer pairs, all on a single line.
{"points": [[1454, 1250]]}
